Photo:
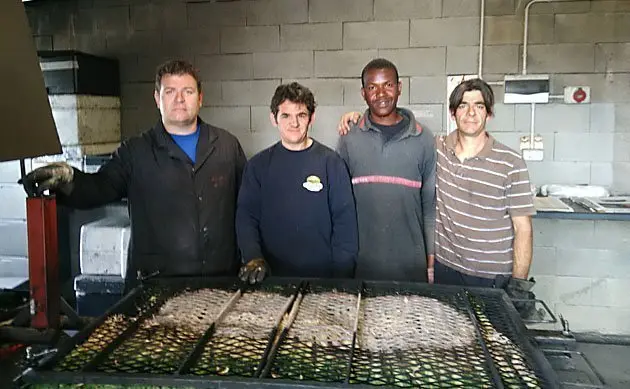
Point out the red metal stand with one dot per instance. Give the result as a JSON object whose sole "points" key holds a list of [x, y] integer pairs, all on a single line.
{"points": [[43, 253]]}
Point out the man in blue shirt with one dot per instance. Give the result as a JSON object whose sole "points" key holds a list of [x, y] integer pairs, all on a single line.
{"points": [[295, 211]]}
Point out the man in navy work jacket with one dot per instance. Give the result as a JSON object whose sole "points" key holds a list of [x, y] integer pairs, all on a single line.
{"points": [[181, 179], [392, 164], [296, 213]]}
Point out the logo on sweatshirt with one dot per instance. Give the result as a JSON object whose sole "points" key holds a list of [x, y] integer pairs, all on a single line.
{"points": [[313, 184]]}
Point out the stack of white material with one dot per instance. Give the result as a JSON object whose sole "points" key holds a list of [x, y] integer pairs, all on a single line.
{"points": [[104, 246]]}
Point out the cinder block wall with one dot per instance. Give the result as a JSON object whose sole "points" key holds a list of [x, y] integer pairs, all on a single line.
{"points": [[245, 48]]}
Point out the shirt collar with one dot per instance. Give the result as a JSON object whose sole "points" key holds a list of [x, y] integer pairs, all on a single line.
{"points": [[451, 143]]}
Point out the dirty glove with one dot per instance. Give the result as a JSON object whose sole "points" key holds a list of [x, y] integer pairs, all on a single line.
{"points": [[56, 177], [254, 271], [518, 288]]}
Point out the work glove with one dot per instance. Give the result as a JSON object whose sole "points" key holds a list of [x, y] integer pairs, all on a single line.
{"points": [[54, 177], [518, 288], [254, 271]]}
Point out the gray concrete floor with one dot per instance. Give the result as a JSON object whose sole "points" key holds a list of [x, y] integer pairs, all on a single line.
{"points": [[612, 362]]}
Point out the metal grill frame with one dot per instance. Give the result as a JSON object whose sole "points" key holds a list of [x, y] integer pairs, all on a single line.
{"points": [[508, 322]]}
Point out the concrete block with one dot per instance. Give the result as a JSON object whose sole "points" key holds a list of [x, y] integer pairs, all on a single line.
{"points": [[144, 70], [256, 92], [622, 27], [462, 59], [611, 292], [259, 141], [340, 10], [574, 290], [610, 87], [352, 93], [13, 267], [13, 200], [621, 172], [545, 288], [10, 171], [501, 59], [500, 7], [596, 263], [294, 64], [458, 8], [217, 14], [192, 42], [138, 95], [566, 7], [561, 58], [326, 91], [503, 118], [555, 172], [512, 140], [427, 90], [601, 174], [250, 39], [134, 42], [43, 42], [347, 63], [161, 16], [509, 29], [444, 32], [271, 12], [379, 35], [112, 19], [553, 232], [612, 57], [551, 118], [429, 116], [607, 6], [621, 147], [406, 9], [602, 117], [585, 147], [87, 43], [225, 67], [262, 124], [317, 36], [417, 62], [622, 118], [612, 234], [229, 118], [605, 320], [544, 261], [585, 27], [13, 238], [135, 121], [325, 127], [211, 93]]}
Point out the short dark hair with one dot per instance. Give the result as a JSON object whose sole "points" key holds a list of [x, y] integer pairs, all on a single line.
{"points": [[295, 93], [468, 86], [177, 67], [378, 63]]}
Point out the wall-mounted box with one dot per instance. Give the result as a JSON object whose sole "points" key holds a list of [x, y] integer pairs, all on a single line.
{"points": [[526, 89]]}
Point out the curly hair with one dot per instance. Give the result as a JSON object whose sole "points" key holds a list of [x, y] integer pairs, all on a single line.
{"points": [[377, 64], [176, 67], [294, 93]]}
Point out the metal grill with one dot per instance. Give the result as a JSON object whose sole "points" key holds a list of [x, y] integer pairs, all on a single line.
{"points": [[324, 333]]}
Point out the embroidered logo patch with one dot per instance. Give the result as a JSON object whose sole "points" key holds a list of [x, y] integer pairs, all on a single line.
{"points": [[313, 184]]}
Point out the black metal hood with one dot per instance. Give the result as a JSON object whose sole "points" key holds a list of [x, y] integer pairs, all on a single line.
{"points": [[27, 126]]}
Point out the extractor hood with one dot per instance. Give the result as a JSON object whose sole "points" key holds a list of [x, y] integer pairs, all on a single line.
{"points": [[28, 129]]}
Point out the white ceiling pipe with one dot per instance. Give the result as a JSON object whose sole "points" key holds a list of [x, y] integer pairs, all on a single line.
{"points": [[526, 28], [481, 36]]}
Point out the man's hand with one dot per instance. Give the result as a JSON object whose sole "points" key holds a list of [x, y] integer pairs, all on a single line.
{"points": [[344, 124], [431, 275], [254, 271], [56, 177]]}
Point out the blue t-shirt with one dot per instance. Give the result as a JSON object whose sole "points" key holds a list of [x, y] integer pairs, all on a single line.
{"points": [[188, 143]]}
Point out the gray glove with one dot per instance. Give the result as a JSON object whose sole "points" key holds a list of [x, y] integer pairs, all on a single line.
{"points": [[57, 176], [254, 271], [518, 288]]}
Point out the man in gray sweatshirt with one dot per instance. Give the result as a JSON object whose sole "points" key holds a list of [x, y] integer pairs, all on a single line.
{"points": [[392, 164]]}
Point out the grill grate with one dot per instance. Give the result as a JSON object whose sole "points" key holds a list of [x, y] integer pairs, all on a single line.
{"points": [[332, 333]]}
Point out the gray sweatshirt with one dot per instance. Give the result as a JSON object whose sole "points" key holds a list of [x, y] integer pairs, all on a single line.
{"points": [[394, 188]]}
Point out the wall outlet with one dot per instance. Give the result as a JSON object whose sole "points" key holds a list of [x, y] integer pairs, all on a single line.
{"points": [[577, 94], [533, 154]]}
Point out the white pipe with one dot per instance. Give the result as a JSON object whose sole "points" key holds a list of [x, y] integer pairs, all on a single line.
{"points": [[526, 28], [531, 127], [482, 23]]}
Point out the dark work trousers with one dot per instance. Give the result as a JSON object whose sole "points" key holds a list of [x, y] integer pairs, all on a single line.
{"points": [[448, 276]]}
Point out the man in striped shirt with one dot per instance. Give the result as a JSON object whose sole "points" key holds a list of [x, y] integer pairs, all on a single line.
{"points": [[484, 198]]}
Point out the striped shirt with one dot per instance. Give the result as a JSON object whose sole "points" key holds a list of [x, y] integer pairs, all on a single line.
{"points": [[476, 200]]}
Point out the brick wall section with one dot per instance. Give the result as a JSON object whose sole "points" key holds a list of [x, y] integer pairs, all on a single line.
{"points": [[244, 48]]}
